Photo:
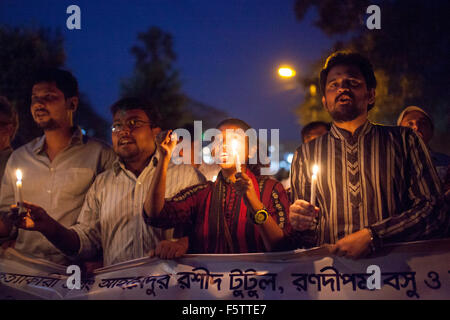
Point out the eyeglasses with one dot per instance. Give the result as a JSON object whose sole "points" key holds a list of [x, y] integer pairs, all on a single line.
{"points": [[130, 124]]}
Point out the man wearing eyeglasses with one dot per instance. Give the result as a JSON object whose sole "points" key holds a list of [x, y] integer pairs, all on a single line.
{"points": [[111, 218], [58, 168]]}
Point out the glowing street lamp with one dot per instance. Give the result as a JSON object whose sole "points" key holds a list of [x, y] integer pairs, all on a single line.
{"points": [[313, 90], [286, 72]]}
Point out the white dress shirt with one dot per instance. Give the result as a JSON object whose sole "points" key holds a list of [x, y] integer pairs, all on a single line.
{"points": [[111, 218]]}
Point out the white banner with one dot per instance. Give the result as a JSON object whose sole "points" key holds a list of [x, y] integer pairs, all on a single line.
{"points": [[411, 271]]}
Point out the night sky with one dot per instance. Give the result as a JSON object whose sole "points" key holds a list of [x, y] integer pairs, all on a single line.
{"points": [[228, 51]]}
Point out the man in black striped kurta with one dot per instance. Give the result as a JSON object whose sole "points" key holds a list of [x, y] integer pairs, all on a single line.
{"points": [[375, 185]]}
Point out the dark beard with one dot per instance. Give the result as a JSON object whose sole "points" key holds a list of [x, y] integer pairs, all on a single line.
{"points": [[48, 125], [346, 114]]}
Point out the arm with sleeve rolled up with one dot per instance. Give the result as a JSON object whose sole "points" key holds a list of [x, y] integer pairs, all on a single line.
{"points": [[39, 220], [154, 202], [162, 213], [425, 216]]}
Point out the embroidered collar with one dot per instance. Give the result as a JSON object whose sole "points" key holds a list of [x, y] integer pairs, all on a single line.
{"points": [[343, 134]]}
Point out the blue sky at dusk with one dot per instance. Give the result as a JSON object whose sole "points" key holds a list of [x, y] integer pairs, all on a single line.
{"points": [[227, 51]]}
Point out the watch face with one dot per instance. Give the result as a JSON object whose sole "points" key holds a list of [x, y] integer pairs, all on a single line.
{"points": [[260, 217]]}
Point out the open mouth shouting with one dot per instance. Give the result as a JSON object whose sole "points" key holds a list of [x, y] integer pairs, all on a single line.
{"points": [[41, 112], [126, 141], [344, 99]]}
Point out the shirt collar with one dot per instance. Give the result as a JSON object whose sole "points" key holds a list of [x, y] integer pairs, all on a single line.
{"points": [[77, 138], [343, 134], [118, 164]]}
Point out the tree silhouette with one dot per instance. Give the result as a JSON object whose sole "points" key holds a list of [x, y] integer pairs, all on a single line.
{"points": [[155, 78], [409, 54], [23, 52]]}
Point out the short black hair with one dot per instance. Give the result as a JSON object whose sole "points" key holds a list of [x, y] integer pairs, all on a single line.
{"points": [[64, 80], [130, 103], [234, 122], [312, 125], [349, 58], [8, 110]]}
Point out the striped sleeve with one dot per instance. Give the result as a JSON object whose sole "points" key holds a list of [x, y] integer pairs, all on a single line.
{"points": [[299, 180], [300, 190], [424, 215], [88, 224]]}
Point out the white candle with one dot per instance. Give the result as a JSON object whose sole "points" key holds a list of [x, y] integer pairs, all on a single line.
{"points": [[234, 145], [313, 184], [19, 189]]}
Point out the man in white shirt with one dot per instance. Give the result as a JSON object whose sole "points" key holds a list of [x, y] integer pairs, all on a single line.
{"points": [[58, 168], [111, 218]]}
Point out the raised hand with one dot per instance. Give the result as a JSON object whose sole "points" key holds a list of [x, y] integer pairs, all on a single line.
{"points": [[168, 144], [244, 185]]}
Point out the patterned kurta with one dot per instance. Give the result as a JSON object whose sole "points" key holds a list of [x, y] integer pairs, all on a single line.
{"points": [[380, 177]]}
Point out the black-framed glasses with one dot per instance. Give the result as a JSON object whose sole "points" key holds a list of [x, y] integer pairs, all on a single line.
{"points": [[130, 124]]}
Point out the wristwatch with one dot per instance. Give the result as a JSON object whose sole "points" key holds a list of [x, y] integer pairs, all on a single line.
{"points": [[375, 241], [260, 216]]}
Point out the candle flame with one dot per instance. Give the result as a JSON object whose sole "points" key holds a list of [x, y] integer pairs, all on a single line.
{"points": [[315, 169], [19, 175], [234, 145]]}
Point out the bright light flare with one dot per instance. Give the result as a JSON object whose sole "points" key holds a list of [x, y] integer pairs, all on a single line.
{"points": [[19, 175], [234, 145], [315, 169], [286, 72]]}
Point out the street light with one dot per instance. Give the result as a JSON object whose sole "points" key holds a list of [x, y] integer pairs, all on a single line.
{"points": [[286, 72], [313, 90]]}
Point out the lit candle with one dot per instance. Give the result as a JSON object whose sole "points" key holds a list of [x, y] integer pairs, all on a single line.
{"points": [[19, 189], [313, 184], [234, 145]]}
